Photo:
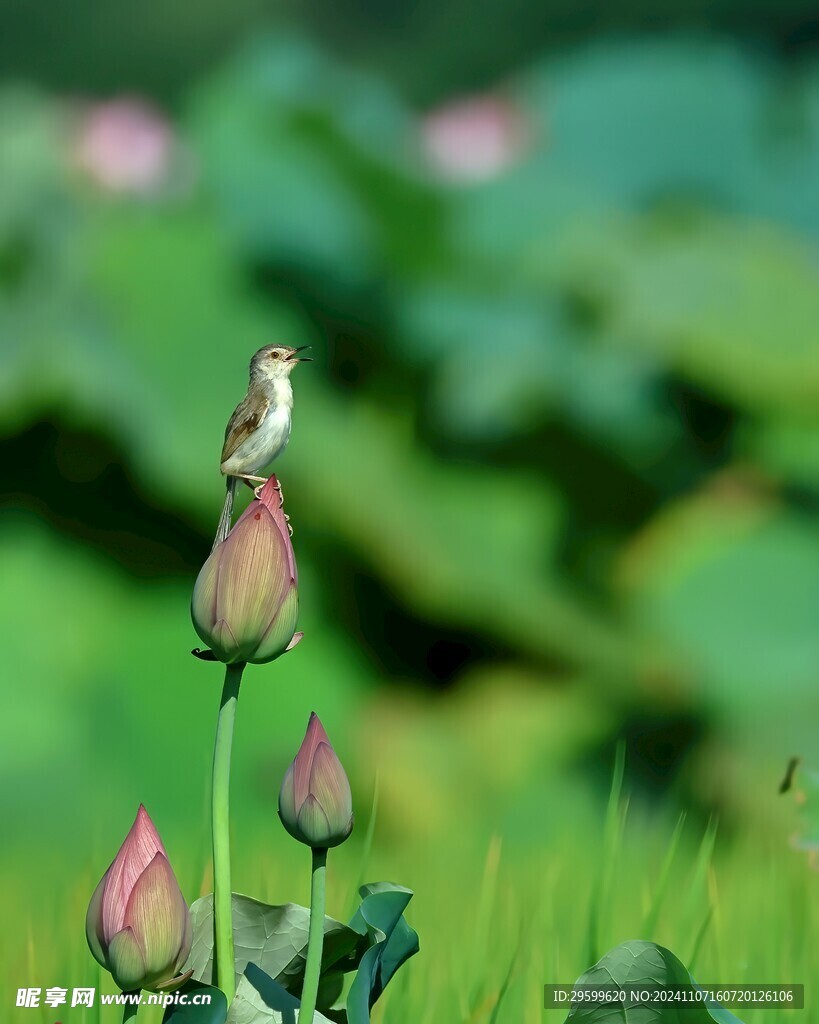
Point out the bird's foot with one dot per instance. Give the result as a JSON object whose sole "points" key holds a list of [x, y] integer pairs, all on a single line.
{"points": [[257, 491], [250, 480]]}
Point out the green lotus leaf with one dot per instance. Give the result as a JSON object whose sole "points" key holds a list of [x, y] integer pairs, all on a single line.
{"points": [[274, 938], [639, 963], [381, 918]]}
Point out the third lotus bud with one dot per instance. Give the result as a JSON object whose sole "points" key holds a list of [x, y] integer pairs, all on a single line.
{"points": [[315, 802]]}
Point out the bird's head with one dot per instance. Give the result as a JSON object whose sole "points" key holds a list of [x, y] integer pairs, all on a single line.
{"points": [[274, 362]]}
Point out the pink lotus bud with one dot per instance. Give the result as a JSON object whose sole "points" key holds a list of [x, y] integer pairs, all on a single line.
{"points": [[315, 803], [245, 602], [138, 925]]}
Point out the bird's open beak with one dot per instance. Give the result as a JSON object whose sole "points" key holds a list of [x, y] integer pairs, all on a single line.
{"points": [[293, 358]]}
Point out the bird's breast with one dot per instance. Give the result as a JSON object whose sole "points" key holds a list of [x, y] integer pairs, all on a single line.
{"points": [[265, 443]]}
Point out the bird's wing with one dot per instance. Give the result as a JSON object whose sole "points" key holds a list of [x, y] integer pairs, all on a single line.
{"points": [[248, 416]]}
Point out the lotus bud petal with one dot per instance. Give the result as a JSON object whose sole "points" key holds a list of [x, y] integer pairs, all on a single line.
{"points": [[245, 602], [315, 802], [138, 925]]}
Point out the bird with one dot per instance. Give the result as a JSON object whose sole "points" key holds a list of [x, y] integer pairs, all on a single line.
{"points": [[259, 429]]}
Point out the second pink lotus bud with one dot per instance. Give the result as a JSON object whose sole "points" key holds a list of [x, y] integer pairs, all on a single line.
{"points": [[315, 802]]}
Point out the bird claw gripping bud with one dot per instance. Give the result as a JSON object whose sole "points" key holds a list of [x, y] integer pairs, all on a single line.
{"points": [[315, 802], [138, 925], [245, 602]]}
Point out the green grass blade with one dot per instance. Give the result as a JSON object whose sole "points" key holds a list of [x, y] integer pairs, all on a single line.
{"points": [[698, 940], [366, 849], [698, 893], [504, 987], [663, 881], [612, 837], [483, 921]]}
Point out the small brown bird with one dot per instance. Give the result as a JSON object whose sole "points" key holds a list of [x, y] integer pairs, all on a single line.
{"points": [[259, 429]]}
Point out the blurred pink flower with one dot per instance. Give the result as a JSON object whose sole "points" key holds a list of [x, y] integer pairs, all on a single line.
{"points": [[473, 138], [125, 146]]}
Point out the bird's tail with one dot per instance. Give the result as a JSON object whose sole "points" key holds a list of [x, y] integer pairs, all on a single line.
{"points": [[223, 529]]}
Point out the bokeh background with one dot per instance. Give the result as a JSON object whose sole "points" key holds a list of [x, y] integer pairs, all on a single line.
{"points": [[553, 473]]}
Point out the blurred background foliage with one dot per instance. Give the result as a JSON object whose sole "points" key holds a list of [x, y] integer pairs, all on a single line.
{"points": [[553, 474]]}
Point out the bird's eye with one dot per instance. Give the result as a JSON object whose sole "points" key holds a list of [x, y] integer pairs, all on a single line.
{"points": [[274, 355]]}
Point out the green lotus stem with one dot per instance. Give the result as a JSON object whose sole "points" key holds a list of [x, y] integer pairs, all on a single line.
{"points": [[315, 938], [220, 825], [130, 1010]]}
